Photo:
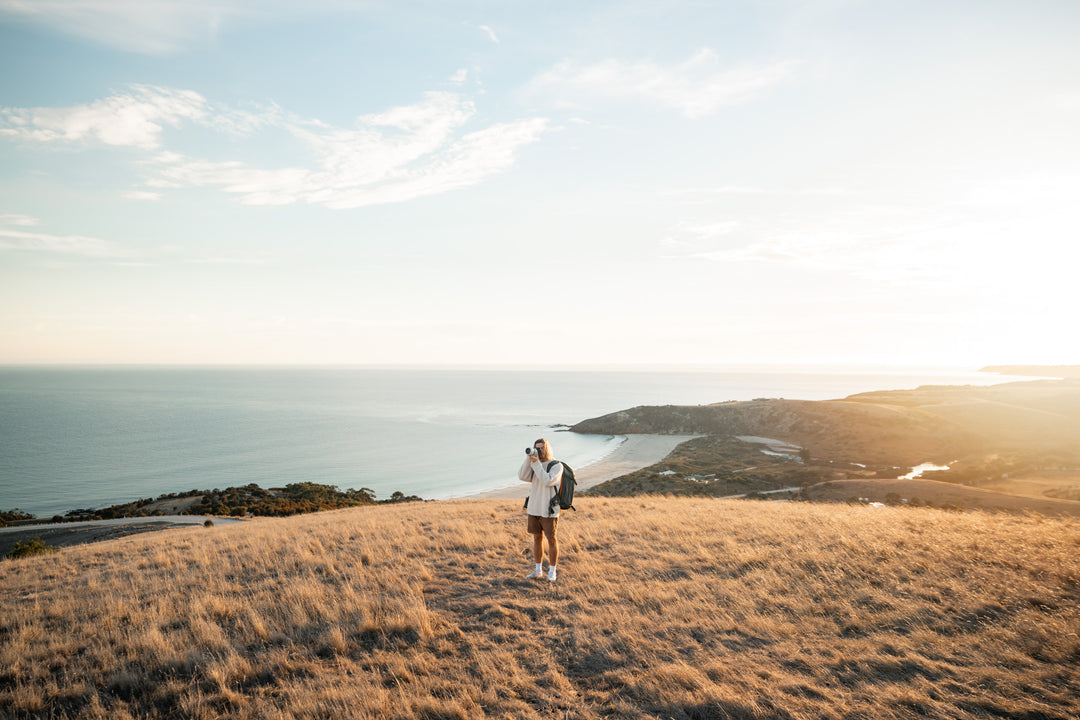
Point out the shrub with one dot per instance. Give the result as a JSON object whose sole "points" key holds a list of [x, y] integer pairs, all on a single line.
{"points": [[36, 546], [7, 516], [208, 523]]}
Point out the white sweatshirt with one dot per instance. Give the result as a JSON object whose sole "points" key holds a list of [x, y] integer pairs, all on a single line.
{"points": [[544, 486]]}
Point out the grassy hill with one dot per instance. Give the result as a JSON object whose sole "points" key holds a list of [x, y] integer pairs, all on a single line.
{"points": [[1036, 414], [871, 433], [665, 607]]}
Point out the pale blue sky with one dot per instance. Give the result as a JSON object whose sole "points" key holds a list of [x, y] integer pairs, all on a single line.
{"points": [[826, 181]]}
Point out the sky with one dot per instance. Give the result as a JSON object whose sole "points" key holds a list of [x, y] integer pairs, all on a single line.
{"points": [[539, 183]]}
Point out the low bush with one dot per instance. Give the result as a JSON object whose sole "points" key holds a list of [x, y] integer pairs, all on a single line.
{"points": [[35, 546]]}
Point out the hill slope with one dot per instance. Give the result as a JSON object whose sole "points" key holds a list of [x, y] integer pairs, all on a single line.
{"points": [[872, 433], [1016, 437], [1036, 414], [681, 608]]}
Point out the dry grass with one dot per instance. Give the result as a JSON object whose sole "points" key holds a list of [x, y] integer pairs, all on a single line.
{"points": [[668, 608], [941, 494], [1063, 485]]}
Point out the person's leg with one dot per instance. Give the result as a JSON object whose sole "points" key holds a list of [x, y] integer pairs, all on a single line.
{"points": [[534, 529], [550, 527]]}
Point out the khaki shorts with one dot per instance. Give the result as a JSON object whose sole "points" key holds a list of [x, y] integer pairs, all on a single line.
{"points": [[542, 524]]}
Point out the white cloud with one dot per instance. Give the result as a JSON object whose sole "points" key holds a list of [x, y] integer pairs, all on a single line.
{"points": [[349, 178], [490, 33], [468, 161], [133, 119], [14, 238], [460, 76], [402, 153], [696, 87], [240, 122]]}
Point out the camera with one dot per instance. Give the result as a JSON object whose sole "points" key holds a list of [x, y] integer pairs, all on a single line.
{"points": [[530, 451]]}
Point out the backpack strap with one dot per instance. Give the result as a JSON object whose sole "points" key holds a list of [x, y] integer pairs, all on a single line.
{"points": [[554, 498]]}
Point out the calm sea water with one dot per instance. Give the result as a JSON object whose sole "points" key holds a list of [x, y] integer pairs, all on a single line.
{"points": [[91, 437]]}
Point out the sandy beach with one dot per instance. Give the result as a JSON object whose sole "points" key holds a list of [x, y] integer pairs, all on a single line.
{"points": [[636, 452]]}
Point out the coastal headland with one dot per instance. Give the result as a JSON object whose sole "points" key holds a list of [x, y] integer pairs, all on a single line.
{"points": [[1014, 446]]}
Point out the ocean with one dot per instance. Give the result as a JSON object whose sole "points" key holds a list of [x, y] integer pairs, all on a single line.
{"points": [[89, 437]]}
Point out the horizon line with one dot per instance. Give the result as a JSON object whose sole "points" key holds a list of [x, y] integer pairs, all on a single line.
{"points": [[532, 367]]}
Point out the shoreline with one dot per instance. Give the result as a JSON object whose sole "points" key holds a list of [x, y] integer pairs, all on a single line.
{"points": [[46, 486], [634, 453]]}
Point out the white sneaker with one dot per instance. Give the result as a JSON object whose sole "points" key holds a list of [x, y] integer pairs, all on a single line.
{"points": [[535, 573], [551, 574]]}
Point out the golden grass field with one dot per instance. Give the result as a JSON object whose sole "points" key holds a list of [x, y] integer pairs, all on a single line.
{"points": [[664, 608]]}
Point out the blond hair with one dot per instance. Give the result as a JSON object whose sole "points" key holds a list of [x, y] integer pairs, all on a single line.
{"points": [[545, 454]]}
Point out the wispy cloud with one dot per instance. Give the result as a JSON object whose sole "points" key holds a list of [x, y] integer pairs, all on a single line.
{"points": [[696, 87], [154, 27], [142, 195], [691, 236], [165, 27], [18, 220], [400, 154], [135, 118], [937, 246], [14, 237]]}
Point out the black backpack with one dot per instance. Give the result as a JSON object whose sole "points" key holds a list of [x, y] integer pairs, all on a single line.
{"points": [[564, 498]]}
